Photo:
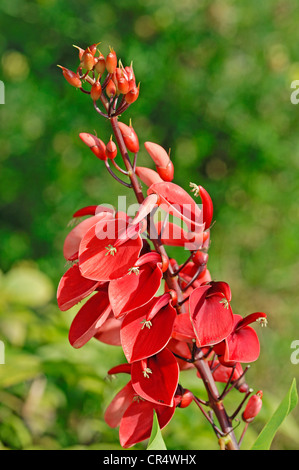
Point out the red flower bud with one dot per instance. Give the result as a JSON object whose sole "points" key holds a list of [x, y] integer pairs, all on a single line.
{"points": [[166, 173], [186, 399], [200, 258], [123, 85], [148, 176], [96, 145], [253, 407], [111, 61], [110, 89], [130, 137], [111, 149], [164, 165], [93, 48], [132, 95], [100, 64], [81, 51], [88, 60], [71, 77], [96, 91]]}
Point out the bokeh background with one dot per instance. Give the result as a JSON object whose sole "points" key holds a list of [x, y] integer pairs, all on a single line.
{"points": [[215, 88]]}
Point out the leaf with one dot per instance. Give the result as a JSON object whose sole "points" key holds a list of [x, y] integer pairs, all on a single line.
{"points": [[264, 439], [156, 441]]}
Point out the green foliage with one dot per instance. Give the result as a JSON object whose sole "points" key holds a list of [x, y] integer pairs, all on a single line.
{"points": [[215, 88], [267, 434], [156, 441]]}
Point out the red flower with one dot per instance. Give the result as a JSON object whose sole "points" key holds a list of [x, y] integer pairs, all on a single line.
{"points": [[134, 416], [242, 345], [147, 330], [133, 413], [73, 288], [108, 250], [138, 286], [156, 378], [210, 313]]}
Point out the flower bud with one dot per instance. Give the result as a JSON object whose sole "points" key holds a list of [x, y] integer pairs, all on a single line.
{"points": [[88, 60], [71, 77], [111, 149], [96, 91], [96, 145], [81, 51], [164, 165], [130, 137], [132, 95], [110, 89], [253, 407], [187, 399], [111, 61], [200, 258], [148, 176], [100, 64], [123, 86], [166, 173]]}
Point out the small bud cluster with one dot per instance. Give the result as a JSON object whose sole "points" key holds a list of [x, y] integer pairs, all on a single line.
{"points": [[119, 85]]}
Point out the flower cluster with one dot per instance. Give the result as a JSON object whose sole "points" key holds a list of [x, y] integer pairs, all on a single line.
{"points": [[167, 317]]}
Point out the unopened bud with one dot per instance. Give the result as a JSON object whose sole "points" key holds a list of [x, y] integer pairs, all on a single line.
{"points": [[110, 89], [88, 60], [71, 77], [111, 61], [100, 64], [95, 144], [96, 91], [111, 149], [123, 86], [130, 137], [132, 95], [187, 399], [253, 407]]}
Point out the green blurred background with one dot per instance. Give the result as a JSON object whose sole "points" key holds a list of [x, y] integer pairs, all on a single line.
{"points": [[215, 88]]}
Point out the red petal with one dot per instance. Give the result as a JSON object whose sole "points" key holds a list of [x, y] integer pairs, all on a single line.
{"points": [[92, 210], [95, 260], [146, 207], [183, 329], [174, 235], [118, 405], [73, 239], [137, 421], [140, 341], [89, 319], [211, 320], [134, 290], [157, 153], [148, 176], [207, 207], [176, 201], [73, 287], [161, 384], [109, 332]]}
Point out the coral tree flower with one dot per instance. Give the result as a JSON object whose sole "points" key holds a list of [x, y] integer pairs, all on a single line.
{"points": [[146, 330], [242, 344], [138, 286], [210, 313], [107, 251]]}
